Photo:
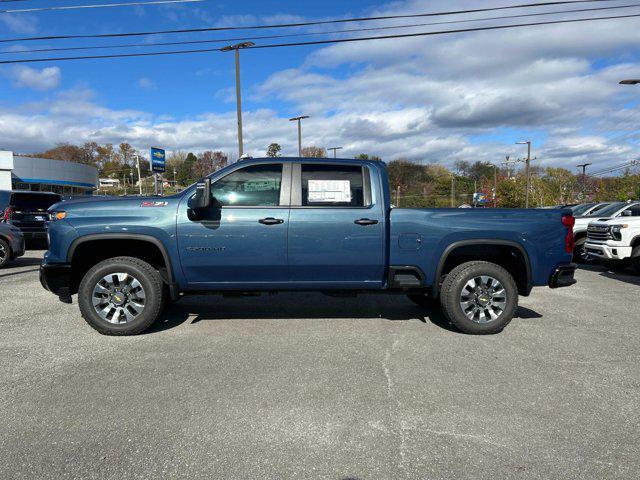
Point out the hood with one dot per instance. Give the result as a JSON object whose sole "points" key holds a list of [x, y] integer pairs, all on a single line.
{"points": [[96, 204]]}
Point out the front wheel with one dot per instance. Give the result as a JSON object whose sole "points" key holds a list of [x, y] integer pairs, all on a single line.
{"points": [[580, 254], [479, 297], [121, 296], [5, 253]]}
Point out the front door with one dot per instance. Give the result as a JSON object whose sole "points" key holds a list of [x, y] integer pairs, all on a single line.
{"points": [[336, 229], [241, 241]]}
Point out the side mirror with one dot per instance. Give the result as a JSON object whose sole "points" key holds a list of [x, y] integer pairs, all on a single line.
{"points": [[627, 213], [202, 198]]}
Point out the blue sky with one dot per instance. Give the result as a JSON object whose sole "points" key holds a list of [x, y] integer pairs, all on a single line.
{"points": [[437, 99]]}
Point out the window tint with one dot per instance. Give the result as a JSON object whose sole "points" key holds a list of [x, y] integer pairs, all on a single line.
{"points": [[33, 201], [635, 210], [255, 186], [580, 209], [332, 186]]}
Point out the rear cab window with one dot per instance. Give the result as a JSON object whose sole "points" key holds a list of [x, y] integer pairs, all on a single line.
{"points": [[327, 185]]}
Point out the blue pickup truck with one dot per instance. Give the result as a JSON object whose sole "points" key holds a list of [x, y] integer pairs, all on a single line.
{"points": [[299, 224]]}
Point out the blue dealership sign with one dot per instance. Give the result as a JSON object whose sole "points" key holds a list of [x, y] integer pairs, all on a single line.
{"points": [[157, 159]]}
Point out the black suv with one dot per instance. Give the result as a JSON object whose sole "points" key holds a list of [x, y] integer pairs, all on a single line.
{"points": [[27, 211]]}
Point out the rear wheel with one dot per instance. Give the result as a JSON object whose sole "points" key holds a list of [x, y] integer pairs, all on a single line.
{"points": [[479, 297], [5, 253], [121, 296]]}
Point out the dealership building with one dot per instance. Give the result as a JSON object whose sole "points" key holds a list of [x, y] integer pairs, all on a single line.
{"points": [[18, 172]]}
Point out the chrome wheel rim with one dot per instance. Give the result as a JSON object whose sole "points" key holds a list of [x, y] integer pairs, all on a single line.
{"points": [[483, 299], [584, 255], [3, 253], [118, 298]]}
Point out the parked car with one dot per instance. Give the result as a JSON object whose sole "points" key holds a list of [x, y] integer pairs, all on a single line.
{"points": [[269, 225], [600, 210], [616, 242], [586, 209], [11, 244], [28, 211]]}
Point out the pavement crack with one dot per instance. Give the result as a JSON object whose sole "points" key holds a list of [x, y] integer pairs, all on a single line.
{"points": [[397, 425]]}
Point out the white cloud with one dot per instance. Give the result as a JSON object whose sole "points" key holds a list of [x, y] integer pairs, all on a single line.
{"points": [[146, 83], [44, 79]]}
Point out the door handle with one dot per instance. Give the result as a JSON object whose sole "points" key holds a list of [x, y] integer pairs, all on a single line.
{"points": [[366, 221], [271, 221]]}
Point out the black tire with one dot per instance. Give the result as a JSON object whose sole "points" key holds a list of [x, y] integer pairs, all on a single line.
{"points": [[145, 274], [423, 299], [579, 253], [635, 260], [5, 253], [451, 291]]}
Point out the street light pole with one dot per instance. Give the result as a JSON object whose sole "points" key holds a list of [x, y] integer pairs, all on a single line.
{"points": [[334, 150], [237, 48], [584, 178], [298, 119], [139, 175], [526, 170]]}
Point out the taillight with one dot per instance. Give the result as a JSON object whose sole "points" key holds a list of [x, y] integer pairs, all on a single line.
{"points": [[569, 241], [7, 214]]}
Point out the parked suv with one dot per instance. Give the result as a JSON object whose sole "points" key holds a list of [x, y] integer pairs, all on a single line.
{"points": [[11, 244], [28, 211], [616, 242]]}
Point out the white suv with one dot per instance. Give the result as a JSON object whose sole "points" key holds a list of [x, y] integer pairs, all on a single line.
{"points": [[616, 241]]}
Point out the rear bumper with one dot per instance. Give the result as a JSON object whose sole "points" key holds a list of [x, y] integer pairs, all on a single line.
{"points": [[57, 279], [563, 276]]}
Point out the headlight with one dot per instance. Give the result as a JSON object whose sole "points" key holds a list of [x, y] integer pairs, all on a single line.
{"points": [[616, 231], [53, 216]]}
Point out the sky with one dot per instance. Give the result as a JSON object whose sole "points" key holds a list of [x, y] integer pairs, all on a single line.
{"points": [[437, 99]]}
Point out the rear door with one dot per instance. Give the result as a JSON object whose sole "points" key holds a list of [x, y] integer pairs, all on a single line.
{"points": [[336, 230]]}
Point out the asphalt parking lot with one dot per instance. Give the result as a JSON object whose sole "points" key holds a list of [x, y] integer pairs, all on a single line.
{"points": [[306, 386]]}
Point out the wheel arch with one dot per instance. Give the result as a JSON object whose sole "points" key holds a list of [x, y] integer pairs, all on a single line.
{"points": [[524, 282], [139, 239]]}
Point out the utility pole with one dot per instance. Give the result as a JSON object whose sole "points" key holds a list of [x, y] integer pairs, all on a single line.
{"points": [[139, 175], [334, 150], [398, 196], [237, 48], [175, 184], [124, 181], [453, 191], [495, 186], [298, 119], [584, 178], [526, 171]]}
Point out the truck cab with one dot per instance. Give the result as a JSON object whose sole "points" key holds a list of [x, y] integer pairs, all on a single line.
{"points": [[299, 224]]}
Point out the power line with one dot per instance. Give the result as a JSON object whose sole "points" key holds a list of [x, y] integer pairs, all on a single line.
{"points": [[330, 32], [301, 24], [322, 42], [101, 5]]}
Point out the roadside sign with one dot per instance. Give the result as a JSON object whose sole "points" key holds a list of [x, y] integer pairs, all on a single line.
{"points": [[480, 198], [157, 159]]}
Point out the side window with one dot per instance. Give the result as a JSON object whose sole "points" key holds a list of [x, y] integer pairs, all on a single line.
{"points": [[635, 210], [332, 186], [254, 186]]}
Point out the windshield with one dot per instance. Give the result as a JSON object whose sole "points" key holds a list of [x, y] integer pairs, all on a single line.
{"points": [[33, 201], [607, 211], [580, 209]]}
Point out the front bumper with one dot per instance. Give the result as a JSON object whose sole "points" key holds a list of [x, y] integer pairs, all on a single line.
{"points": [[17, 246], [56, 277], [563, 276], [607, 252]]}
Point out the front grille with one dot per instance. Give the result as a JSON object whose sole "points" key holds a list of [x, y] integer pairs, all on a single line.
{"points": [[598, 233]]}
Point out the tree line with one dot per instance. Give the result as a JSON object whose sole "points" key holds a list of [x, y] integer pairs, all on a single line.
{"points": [[412, 183]]}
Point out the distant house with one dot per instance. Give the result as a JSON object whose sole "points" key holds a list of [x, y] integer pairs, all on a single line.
{"points": [[109, 183]]}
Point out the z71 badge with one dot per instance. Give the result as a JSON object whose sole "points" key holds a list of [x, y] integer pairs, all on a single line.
{"points": [[154, 204]]}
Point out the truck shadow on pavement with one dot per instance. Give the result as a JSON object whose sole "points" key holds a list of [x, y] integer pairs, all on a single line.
{"points": [[626, 276], [304, 307]]}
